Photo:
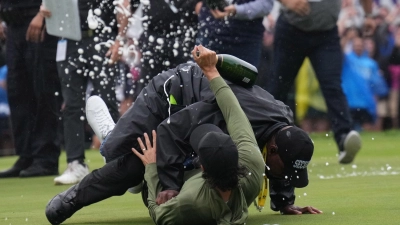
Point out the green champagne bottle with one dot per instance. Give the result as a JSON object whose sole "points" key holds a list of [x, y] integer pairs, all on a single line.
{"points": [[236, 70]]}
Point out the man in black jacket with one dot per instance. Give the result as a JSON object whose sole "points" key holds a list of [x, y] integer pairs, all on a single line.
{"points": [[174, 103], [33, 90]]}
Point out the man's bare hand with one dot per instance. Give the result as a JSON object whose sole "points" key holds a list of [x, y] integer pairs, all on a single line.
{"points": [[300, 7], [114, 52], [206, 59], [166, 195], [35, 32], [295, 210], [149, 152], [229, 10], [44, 12]]}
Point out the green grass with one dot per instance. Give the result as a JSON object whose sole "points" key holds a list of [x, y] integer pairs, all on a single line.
{"points": [[365, 192]]}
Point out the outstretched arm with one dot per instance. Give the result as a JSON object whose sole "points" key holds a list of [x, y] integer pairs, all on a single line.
{"points": [[369, 23], [237, 123]]}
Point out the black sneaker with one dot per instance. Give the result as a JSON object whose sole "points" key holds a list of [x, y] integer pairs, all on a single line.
{"points": [[62, 206], [349, 147], [19, 165], [38, 169]]}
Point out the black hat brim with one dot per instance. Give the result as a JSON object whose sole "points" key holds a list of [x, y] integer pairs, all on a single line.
{"points": [[298, 178]]}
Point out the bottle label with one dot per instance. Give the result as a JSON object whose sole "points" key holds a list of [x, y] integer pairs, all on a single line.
{"points": [[246, 80]]}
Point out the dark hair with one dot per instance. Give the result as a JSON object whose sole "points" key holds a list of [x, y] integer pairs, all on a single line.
{"points": [[352, 28], [227, 181]]}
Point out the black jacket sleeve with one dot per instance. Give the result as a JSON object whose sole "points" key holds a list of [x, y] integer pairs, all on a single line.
{"points": [[281, 194]]}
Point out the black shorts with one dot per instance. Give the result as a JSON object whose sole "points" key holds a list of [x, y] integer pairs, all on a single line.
{"points": [[361, 116]]}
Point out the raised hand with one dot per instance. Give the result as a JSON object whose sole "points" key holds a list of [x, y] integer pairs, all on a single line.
{"points": [[149, 152]]}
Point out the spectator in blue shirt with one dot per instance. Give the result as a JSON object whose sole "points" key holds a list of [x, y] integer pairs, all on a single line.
{"points": [[362, 83]]}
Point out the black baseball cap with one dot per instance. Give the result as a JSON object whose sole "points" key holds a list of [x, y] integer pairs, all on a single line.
{"points": [[216, 150], [295, 149]]}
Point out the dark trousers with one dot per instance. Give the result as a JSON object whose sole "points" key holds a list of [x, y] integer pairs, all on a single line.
{"points": [[75, 73], [291, 46], [33, 85], [113, 179]]}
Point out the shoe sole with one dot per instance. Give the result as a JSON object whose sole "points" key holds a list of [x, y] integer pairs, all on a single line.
{"points": [[352, 145], [64, 183], [95, 100]]}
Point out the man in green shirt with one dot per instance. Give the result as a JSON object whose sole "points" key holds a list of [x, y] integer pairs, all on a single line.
{"points": [[221, 193]]}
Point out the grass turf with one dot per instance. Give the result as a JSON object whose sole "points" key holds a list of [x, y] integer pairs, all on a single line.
{"points": [[365, 192]]}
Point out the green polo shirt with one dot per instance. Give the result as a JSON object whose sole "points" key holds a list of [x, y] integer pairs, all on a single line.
{"points": [[197, 203]]}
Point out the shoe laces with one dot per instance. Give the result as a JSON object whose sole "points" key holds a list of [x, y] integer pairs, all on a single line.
{"points": [[105, 123]]}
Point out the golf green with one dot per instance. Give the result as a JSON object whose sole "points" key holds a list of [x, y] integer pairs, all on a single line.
{"points": [[364, 192]]}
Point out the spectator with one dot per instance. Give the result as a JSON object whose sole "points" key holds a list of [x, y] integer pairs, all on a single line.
{"points": [[351, 15], [238, 30], [382, 101], [362, 84], [347, 38], [5, 128], [314, 26], [33, 90], [394, 69], [86, 60]]}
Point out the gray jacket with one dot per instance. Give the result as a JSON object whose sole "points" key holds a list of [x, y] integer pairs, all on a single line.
{"points": [[323, 16]]}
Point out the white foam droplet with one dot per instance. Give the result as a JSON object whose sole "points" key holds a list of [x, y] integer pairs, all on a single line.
{"points": [[160, 41], [82, 118], [80, 51], [97, 12]]}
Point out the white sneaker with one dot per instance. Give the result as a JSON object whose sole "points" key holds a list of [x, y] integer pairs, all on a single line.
{"points": [[351, 146], [74, 173], [99, 117]]}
